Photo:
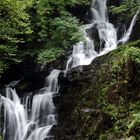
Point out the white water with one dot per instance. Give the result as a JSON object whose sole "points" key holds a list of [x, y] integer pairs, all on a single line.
{"points": [[15, 115], [34, 122], [84, 53], [126, 36], [19, 124]]}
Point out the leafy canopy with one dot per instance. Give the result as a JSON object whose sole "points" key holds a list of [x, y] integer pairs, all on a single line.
{"points": [[127, 8], [40, 28]]}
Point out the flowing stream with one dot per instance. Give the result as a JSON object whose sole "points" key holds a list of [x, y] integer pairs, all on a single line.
{"points": [[36, 125], [84, 52], [34, 119]]}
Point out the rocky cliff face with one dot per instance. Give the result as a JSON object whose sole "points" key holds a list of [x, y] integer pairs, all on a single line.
{"points": [[101, 101]]}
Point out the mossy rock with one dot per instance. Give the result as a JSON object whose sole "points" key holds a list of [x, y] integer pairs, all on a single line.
{"points": [[103, 97]]}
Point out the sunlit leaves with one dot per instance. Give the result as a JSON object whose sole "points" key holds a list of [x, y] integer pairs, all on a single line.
{"points": [[48, 55], [15, 26], [127, 8], [45, 25], [64, 32]]}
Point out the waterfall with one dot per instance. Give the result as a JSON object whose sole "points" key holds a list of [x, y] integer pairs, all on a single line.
{"points": [[21, 125], [34, 122], [84, 52], [15, 115], [127, 34]]}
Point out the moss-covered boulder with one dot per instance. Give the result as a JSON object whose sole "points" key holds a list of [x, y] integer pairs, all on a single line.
{"points": [[102, 100]]}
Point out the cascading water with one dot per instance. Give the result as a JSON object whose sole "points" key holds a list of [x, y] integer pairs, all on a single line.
{"points": [[84, 53], [34, 122], [15, 116], [126, 36], [19, 125]]}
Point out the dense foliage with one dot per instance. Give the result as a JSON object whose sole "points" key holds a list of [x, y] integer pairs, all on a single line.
{"points": [[44, 28], [126, 9], [41, 28], [15, 26]]}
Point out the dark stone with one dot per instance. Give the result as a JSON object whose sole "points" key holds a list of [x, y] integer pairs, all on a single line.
{"points": [[80, 113]]}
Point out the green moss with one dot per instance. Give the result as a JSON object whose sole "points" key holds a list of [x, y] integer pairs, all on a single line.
{"points": [[112, 86], [103, 137]]}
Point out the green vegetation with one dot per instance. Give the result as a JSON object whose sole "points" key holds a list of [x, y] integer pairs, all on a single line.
{"points": [[43, 29], [15, 26], [127, 6], [117, 97], [108, 106], [65, 34]]}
